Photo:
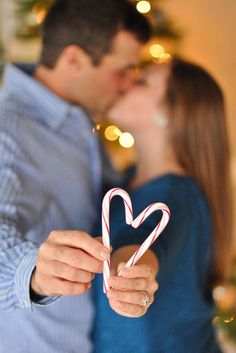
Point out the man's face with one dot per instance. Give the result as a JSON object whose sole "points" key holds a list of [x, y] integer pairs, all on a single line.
{"points": [[105, 83], [136, 110]]}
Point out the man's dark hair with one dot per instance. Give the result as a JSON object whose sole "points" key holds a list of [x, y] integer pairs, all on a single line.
{"points": [[90, 24]]}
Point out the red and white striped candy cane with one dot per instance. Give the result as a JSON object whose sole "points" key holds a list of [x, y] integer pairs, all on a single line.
{"points": [[135, 223], [154, 234], [106, 225]]}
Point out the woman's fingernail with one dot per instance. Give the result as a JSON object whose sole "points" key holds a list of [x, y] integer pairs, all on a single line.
{"points": [[105, 254], [126, 270], [120, 266]]}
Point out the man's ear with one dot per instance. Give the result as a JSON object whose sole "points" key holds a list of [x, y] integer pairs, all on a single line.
{"points": [[75, 56]]}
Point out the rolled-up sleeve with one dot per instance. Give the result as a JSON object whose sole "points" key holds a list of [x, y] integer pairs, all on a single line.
{"points": [[17, 254], [17, 261]]}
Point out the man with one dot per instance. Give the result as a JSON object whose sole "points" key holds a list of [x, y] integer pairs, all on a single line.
{"points": [[51, 174]]}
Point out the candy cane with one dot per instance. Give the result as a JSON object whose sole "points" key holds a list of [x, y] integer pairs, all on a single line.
{"points": [[154, 234], [106, 225], [135, 223]]}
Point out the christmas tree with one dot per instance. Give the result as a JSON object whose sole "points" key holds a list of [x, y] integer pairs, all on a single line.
{"points": [[30, 14]]}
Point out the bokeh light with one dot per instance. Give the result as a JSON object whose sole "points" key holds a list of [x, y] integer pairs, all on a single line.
{"points": [[112, 133], [229, 319], [126, 140], [143, 6], [40, 12], [156, 50], [165, 58]]}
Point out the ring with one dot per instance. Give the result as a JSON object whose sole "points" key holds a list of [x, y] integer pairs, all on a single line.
{"points": [[146, 301]]}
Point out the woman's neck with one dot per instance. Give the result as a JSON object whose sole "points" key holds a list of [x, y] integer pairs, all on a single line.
{"points": [[153, 162]]}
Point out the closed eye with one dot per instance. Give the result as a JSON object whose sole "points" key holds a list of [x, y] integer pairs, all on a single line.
{"points": [[140, 82]]}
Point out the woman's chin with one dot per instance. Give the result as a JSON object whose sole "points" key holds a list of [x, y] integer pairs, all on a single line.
{"points": [[114, 116]]}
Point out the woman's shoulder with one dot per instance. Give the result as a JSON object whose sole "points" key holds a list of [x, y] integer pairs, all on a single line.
{"points": [[180, 193], [170, 186]]}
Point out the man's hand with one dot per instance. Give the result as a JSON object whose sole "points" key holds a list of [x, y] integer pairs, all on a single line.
{"points": [[67, 262], [131, 289]]}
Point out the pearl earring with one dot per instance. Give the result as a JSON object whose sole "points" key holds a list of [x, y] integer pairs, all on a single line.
{"points": [[161, 121]]}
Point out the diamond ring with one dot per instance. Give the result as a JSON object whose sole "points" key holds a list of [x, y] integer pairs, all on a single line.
{"points": [[146, 301]]}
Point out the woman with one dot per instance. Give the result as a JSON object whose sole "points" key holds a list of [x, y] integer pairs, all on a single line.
{"points": [[176, 115]]}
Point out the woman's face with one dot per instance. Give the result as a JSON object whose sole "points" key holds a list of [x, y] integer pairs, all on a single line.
{"points": [[137, 109]]}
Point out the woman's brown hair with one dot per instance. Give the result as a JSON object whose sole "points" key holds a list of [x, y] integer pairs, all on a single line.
{"points": [[199, 135]]}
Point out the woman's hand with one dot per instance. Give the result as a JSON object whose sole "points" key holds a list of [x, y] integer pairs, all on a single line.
{"points": [[132, 292]]}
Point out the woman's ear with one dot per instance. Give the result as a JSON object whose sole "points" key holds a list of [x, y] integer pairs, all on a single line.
{"points": [[161, 121]]}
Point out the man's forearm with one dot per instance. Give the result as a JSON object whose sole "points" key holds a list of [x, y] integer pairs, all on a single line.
{"points": [[17, 261]]}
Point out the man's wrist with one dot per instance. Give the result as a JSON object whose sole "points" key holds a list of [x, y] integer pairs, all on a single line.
{"points": [[35, 295]]}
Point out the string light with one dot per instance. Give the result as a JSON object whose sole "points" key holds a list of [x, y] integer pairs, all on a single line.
{"points": [[219, 293], [165, 58], [96, 128], [156, 50], [143, 6], [41, 16], [112, 133], [229, 319], [39, 12], [126, 140]]}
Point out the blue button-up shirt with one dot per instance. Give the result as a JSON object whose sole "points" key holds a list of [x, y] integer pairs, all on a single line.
{"points": [[49, 179]]}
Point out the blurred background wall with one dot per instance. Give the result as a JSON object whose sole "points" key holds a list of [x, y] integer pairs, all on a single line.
{"points": [[209, 28]]}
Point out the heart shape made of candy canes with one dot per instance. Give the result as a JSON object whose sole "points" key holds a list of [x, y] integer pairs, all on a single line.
{"points": [[135, 223]]}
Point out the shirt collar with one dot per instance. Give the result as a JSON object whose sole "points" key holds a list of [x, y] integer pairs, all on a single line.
{"points": [[45, 105]]}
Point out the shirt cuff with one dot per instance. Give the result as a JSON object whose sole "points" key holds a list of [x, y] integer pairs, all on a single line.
{"points": [[22, 282]]}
